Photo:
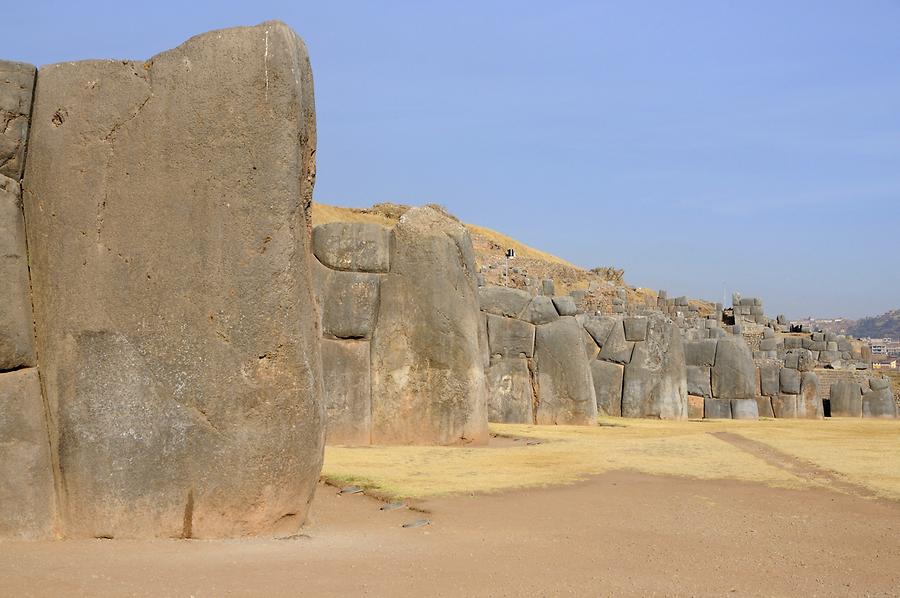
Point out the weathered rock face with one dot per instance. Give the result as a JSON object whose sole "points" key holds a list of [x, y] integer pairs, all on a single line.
{"points": [[510, 337], [167, 216], [347, 391], [16, 329], [846, 399], [511, 397], [744, 409], [16, 87], [810, 405], [717, 408], [608, 378], [655, 382], [564, 375], [355, 247], [734, 374], [349, 302], [26, 473], [428, 384], [878, 402]]}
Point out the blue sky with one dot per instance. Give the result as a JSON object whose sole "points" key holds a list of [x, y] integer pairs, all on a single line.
{"points": [[753, 146]]}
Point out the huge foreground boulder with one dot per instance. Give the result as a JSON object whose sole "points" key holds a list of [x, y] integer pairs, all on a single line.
{"points": [[167, 212]]}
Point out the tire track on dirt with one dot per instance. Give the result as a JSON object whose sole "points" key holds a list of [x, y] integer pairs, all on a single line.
{"points": [[798, 467]]}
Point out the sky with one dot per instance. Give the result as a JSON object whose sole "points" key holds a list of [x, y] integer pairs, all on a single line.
{"points": [[703, 146]]}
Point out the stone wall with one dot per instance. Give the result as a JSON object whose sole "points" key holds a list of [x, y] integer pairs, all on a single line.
{"points": [[401, 355]]}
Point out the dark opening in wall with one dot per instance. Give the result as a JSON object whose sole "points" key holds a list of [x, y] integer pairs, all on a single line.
{"points": [[826, 407]]}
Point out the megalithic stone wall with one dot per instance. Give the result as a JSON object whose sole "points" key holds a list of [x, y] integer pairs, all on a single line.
{"points": [[167, 213], [27, 492]]}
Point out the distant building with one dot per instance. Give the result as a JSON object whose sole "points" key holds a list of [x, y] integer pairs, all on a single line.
{"points": [[885, 364]]}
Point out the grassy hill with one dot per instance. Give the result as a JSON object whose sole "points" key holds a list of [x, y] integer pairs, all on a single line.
{"points": [[885, 325]]}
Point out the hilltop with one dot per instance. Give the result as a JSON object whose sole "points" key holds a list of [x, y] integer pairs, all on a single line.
{"points": [[882, 326]]}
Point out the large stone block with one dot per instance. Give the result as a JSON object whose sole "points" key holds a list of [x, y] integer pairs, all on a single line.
{"points": [[27, 494], [167, 212], [716, 409], [510, 337], [846, 399], [353, 246], [635, 329], [764, 407], [16, 328], [599, 327], [655, 384], [616, 348], [769, 379], [503, 301], [698, 381], [811, 406], [744, 409], [566, 390], [565, 305], [695, 407], [349, 302], [879, 404], [607, 377], [16, 87], [428, 383], [701, 352], [510, 391], [347, 389], [540, 310], [787, 406], [734, 373], [789, 381]]}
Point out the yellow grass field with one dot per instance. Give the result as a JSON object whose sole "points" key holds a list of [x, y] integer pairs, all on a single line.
{"points": [[855, 453]]}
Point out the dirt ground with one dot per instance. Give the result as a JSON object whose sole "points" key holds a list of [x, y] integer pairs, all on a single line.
{"points": [[619, 533]]}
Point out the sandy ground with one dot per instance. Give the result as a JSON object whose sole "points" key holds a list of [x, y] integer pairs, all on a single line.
{"points": [[619, 533]]}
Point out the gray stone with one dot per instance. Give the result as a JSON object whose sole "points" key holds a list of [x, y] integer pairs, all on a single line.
{"points": [[616, 348], [540, 310], [764, 407], [353, 246], [879, 404], [768, 333], [510, 392], [16, 328], [846, 399], [548, 289], [831, 346], [716, 409], [591, 350], [635, 329], [879, 383], [698, 381], [16, 87], [744, 409], [503, 301], [734, 373], [347, 387], [701, 353], [786, 406], [768, 344], [27, 491], [349, 302], [654, 383], [607, 377], [484, 347], [565, 305], [510, 337], [167, 202], [789, 381], [810, 403], [600, 327], [428, 384], [793, 342], [818, 336], [769, 379], [564, 375]]}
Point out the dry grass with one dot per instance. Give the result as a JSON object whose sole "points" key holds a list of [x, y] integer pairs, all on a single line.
{"points": [[862, 452]]}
